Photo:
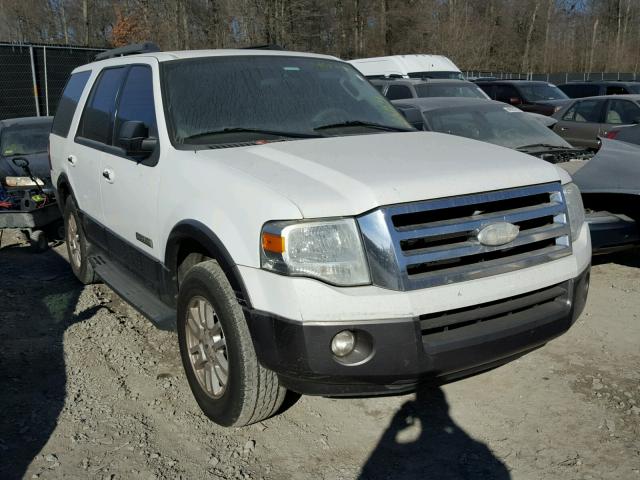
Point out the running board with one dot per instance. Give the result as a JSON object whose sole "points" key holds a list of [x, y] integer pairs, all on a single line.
{"points": [[134, 292]]}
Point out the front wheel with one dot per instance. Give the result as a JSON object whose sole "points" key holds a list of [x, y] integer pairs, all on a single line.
{"points": [[224, 374]]}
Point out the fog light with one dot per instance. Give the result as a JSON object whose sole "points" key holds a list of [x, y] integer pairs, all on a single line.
{"points": [[343, 343]]}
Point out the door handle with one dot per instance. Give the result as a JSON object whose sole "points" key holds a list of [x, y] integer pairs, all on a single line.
{"points": [[108, 174], [72, 160], [564, 129]]}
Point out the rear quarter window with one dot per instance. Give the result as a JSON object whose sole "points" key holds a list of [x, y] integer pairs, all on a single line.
{"points": [[69, 102]]}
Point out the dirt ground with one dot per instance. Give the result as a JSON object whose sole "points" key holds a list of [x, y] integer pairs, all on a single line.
{"points": [[90, 389]]}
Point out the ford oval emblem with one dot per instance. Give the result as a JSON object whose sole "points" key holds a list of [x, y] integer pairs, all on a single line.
{"points": [[498, 234]]}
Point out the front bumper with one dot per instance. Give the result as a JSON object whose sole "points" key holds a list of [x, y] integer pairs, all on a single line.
{"points": [[399, 354], [610, 232]]}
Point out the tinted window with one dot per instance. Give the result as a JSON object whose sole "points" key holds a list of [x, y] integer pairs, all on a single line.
{"points": [[68, 103], [579, 91], [97, 118], [136, 100], [621, 112], [616, 90], [397, 92], [288, 96], [504, 93], [584, 111], [444, 75], [534, 92]]}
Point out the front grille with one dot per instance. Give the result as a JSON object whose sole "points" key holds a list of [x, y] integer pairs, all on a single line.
{"points": [[434, 242], [434, 326]]}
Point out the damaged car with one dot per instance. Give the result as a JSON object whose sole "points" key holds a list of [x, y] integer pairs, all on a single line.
{"points": [[609, 179], [27, 199]]}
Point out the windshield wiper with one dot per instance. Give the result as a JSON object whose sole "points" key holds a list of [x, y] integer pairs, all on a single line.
{"points": [[541, 145], [360, 123], [264, 131]]}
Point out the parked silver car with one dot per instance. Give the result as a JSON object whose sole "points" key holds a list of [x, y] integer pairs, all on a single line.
{"points": [[583, 121]]}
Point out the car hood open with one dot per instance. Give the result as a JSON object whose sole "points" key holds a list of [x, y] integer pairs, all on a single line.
{"points": [[353, 174]]}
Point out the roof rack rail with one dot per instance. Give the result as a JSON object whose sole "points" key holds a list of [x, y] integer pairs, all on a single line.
{"points": [[134, 48], [266, 46]]}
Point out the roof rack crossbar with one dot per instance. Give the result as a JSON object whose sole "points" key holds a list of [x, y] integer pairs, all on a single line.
{"points": [[144, 47]]}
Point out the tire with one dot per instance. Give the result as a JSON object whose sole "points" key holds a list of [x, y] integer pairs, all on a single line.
{"points": [[251, 392], [77, 245], [39, 241]]}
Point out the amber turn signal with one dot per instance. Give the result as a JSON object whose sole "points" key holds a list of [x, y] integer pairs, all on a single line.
{"points": [[272, 243]]}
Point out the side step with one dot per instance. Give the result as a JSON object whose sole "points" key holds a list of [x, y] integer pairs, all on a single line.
{"points": [[134, 292]]}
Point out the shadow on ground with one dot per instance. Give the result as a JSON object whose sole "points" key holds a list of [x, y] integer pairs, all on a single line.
{"points": [[627, 258], [37, 304], [423, 442]]}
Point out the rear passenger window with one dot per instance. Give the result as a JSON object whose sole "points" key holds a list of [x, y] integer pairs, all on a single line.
{"points": [[397, 92], [68, 103], [97, 118], [136, 100]]}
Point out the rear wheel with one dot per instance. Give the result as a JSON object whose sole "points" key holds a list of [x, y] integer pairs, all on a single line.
{"points": [[77, 245], [217, 352]]}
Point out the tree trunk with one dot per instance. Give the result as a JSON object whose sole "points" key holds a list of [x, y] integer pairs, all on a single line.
{"points": [[85, 18], [525, 58], [593, 46]]}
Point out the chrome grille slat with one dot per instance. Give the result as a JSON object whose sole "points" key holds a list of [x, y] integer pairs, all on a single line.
{"points": [[463, 249], [492, 267], [469, 224], [432, 242]]}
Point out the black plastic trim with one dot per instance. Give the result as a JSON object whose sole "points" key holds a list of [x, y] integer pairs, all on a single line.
{"points": [[402, 356], [204, 236]]}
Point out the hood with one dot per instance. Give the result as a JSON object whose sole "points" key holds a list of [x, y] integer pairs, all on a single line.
{"points": [[353, 174], [614, 169], [38, 163]]}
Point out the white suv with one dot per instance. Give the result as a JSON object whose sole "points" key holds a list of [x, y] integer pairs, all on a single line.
{"points": [[278, 211]]}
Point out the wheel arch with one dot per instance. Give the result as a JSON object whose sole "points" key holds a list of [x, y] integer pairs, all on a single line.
{"points": [[63, 190], [192, 236]]}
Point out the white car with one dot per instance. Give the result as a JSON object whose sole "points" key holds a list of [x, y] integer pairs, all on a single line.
{"points": [[299, 234]]}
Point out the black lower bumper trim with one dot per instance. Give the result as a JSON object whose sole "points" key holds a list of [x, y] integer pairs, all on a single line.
{"points": [[396, 355]]}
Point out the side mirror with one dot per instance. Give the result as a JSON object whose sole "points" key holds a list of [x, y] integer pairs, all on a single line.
{"points": [[413, 116], [515, 101], [134, 139]]}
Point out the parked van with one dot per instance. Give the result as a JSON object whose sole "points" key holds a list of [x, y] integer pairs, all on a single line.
{"points": [[408, 66]]}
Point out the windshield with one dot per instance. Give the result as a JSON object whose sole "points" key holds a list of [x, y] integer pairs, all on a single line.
{"points": [[634, 88], [218, 99], [507, 126], [444, 75], [449, 90], [534, 92], [25, 140]]}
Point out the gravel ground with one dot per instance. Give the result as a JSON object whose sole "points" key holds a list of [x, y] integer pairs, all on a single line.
{"points": [[90, 389]]}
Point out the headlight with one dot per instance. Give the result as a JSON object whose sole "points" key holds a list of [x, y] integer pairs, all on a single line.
{"points": [[22, 182], [329, 250], [575, 208]]}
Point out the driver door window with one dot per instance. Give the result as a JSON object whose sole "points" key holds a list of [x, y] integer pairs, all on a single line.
{"points": [[136, 101]]}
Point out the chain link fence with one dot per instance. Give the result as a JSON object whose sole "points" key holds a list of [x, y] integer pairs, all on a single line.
{"points": [[32, 76], [556, 78]]}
